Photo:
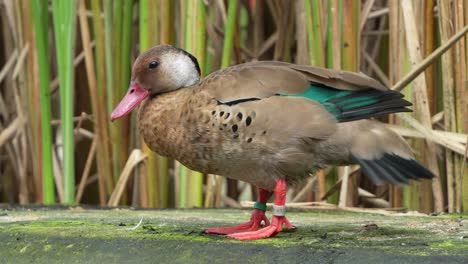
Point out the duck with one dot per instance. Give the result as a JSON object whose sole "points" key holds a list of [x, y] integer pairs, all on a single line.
{"points": [[268, 123]]}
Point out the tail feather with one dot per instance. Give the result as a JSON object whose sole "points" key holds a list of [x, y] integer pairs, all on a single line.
{"points": [[397, 173], [375, 171], [369, 171], [384, 156], [411, 166], [406, 171], [392, 169]]}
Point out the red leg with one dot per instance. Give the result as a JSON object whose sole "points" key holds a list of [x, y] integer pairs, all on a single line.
{"points": [[258, 215], [277, 221]]}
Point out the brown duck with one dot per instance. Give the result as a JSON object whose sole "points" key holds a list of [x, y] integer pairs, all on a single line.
{"points": [[268, 123]]}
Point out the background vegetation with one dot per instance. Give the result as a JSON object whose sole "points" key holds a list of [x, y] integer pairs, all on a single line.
{"points": [[66, 64]]}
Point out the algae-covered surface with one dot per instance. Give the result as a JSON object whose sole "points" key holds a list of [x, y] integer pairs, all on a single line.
{"points": [[77, 235]]}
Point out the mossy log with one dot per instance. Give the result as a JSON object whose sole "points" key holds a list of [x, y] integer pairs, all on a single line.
{"points": [[77, 235]]}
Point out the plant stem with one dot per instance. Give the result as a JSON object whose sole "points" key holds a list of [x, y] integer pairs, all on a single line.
{"points": [[197, 177], [229, 33], [64, 17], [150, 173], [40, 14]]}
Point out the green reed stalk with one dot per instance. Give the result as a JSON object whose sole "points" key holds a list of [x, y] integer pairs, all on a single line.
{"points": [[350, 38], [99, 51], [100, 106], [167, 23], [108, 21], [163, 173], [201, 35], [229, 33], [166, 37], [117, 38], [64, 17], [125, 69], [126, 44], [144, 45], [411, 192], [310, 35], [187, 21], [314, 35], [118, 92], [197, 177], [333, 61], [41, 22], [334, 34], [330, 39], [151, 168]]}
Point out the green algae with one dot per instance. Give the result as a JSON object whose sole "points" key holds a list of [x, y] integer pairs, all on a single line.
{"points": [[177, 236]]}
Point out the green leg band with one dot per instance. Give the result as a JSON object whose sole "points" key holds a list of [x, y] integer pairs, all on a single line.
{"points": [[260, 206]]}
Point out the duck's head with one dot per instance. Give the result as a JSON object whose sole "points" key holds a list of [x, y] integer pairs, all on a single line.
{"points": [[160, 69]]}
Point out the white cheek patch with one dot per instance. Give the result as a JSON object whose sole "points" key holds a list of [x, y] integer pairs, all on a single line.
{"points": [[180, 70]]}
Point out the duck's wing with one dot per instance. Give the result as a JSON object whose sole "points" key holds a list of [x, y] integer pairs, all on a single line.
{"points": [[346, 95]]}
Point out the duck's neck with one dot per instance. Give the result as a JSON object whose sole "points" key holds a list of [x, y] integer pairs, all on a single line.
{"points": [[162, 120]]}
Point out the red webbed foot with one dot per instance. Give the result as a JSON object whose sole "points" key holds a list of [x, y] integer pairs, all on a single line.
{"points": [[276, 226], [279, 219], [258, 216]]}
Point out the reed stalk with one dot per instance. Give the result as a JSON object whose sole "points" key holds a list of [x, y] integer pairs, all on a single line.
{"points": [[25, 18], [334, 34], [151, 171], [302, 45], [63, 13], [108, 43], [187, 11], [118, 92], [427, 47], [183, 186], [349, 61], [101, 110], [396, 194], [229, 33], [41, 25], [333, 61], [98, 96], [461, 92], [166, 36], [350, 37], [199, 27], [314, 28], [167, 24], [124, 71], [413, 45], [191, 182]]}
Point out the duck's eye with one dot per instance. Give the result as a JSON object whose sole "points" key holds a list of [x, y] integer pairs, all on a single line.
{"points": [[153, 64]]}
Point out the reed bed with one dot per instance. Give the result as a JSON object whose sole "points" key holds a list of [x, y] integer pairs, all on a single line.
{"points": [[66, 64]]}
